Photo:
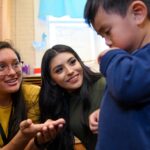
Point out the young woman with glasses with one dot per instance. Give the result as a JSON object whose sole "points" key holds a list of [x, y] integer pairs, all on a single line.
{"points": [[17, 103]]}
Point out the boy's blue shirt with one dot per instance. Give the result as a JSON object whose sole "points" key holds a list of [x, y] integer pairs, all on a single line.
{"points": [[125, 109]]}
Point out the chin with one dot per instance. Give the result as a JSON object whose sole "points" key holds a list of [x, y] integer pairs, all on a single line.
{"points": [[13, 89], [75, 87]]}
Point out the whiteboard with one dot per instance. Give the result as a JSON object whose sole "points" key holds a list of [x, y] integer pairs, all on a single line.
{"points": [[75, 34]]}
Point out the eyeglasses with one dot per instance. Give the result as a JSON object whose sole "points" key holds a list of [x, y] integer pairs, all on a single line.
{"points": [[16, 66]]}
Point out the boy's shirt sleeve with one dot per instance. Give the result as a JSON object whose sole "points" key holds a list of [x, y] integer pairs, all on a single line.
{"points": [[127, 75]]}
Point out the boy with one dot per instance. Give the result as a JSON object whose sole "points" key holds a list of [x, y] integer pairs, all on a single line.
{"points": [[124, 122]]}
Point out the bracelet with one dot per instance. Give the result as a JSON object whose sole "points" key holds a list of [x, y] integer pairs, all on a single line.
{"points": [[40, 146]]}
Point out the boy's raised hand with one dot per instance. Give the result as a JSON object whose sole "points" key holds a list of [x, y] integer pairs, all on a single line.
{"points": [[105, 51], [93, 121]]}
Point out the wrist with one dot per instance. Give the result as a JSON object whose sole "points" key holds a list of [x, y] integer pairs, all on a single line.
{"points": [[24, 136], [19, 141]]}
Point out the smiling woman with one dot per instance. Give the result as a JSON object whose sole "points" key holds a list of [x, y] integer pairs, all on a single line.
{"points": [[72, 91], [17, 103], [66, 71], [10, 70]]}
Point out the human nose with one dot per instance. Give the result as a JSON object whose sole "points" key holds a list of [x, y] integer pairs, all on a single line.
{"points": [[69, 70], [10, 70]]}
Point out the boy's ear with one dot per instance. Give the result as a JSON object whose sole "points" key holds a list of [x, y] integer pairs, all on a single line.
{"points": [[139, 10]]}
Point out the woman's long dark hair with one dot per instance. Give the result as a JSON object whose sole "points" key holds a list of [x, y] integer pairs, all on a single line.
{"points": [[18, 112], [54, 100]]}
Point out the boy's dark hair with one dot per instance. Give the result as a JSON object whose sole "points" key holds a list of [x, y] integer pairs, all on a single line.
{"points": [[115, 6]]}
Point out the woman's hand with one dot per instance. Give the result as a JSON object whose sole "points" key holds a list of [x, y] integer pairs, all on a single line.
{"points": [[93, 121], [40, 134], [50, 130], [30, 129], [24, 137]]}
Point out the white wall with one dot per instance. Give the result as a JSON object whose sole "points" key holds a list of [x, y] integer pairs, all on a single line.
{"points": [[74, 33]]}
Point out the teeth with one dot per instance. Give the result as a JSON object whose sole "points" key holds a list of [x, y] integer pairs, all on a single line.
{"points": [[11, 81], [73, 79]]}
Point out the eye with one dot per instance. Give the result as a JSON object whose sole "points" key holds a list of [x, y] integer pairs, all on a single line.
{"points": [[100, 34], [16, 64], [2, 67], [107, 32], [72, 62], [59, 70]]}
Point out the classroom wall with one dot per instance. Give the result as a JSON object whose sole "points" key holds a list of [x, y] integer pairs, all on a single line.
{"points": [[23, 28], [17, 26], [0, 20], [6, 19], [20, 24]]}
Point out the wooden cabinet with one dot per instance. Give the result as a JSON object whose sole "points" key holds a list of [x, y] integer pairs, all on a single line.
{"points": [[32, 79]]}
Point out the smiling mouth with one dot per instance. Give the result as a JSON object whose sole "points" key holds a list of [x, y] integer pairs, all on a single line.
{"points": [[12, 81], [73, 79]]}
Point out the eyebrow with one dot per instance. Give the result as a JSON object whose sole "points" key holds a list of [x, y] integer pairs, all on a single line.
{"points": [[53, 69], [13, 60], [71, 58], [61, 64]]}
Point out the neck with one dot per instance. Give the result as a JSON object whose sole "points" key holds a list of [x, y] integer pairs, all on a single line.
{"points": [[5, 100], [146, 38]]}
